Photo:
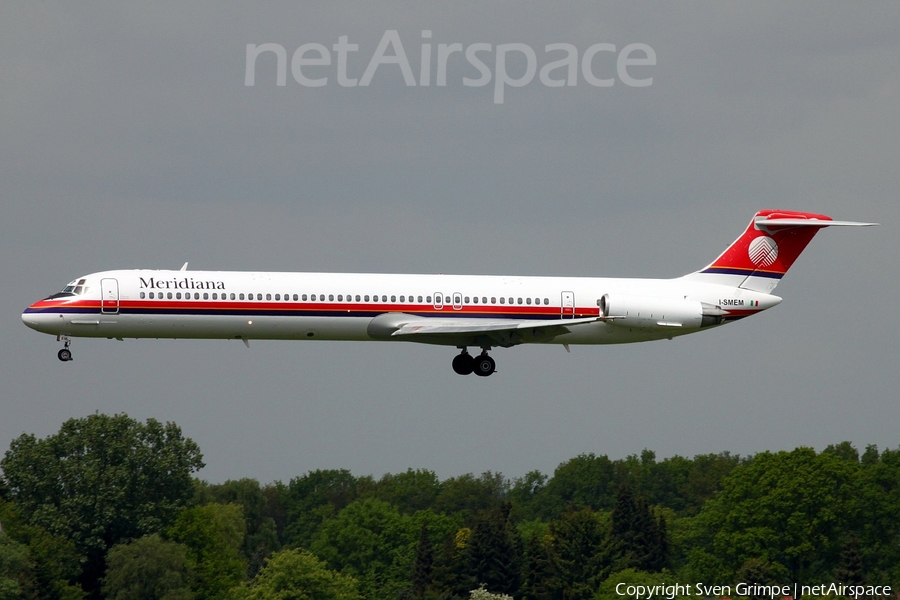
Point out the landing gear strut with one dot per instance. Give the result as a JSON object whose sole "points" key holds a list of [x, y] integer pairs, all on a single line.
{"points": [[483, 365], [65, 354]]}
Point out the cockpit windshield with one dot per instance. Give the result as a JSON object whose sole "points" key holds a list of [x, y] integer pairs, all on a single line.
{"points": [[74, 288]]}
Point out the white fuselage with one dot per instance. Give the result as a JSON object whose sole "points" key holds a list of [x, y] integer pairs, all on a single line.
{"points": [[344, 306]]}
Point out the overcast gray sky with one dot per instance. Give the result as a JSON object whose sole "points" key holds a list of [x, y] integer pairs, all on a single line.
{"points": [[128, 138]]}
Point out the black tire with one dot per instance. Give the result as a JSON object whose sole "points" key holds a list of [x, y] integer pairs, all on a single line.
{"points": [[463, 364], [64, 355], [484, 365]]}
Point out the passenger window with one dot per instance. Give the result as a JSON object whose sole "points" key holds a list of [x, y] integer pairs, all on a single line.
{"points": [[428, 299], [384, 298], [493, 300], [205, 296], [169, 295], [232, 295], [527, 301], [475, 299], [357, 297], [466, 300], [502, 300], [241, 296], [278, 296], [142, 295], [393, 298]]}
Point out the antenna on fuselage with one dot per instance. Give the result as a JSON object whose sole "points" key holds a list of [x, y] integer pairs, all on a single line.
{"points": [[183, 267]]}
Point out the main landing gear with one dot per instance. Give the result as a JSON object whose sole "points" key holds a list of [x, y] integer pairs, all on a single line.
{"points": [[483, 365], [65, 354]]}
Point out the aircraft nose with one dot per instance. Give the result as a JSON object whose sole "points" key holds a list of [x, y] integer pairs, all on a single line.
{"points": [[30, 319], [40, 321]]}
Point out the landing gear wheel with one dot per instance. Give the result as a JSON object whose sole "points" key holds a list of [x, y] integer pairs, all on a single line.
{"points": [[64, 355], [484, 365], [463, 363]]}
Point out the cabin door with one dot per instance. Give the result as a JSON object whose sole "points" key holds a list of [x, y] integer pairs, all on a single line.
{"points": [[109, 296], [567, 305]]}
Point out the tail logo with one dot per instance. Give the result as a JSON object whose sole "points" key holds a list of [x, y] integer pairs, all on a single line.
{"points": [[763, 251]]}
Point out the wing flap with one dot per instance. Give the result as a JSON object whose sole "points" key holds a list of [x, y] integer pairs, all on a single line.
{"points": [[438, 326]]}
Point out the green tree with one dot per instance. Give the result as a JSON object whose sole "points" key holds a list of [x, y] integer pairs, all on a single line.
{"points": [[297, 575], [148, 568], [639, 538], [369, 540], [423, 563], [537, 570], [586, 481], [14, 567], [523, 493], [471, 494], [784, 508], [101, 480], [494, 552], [316, 496], [410, 492], [580, 554], [876, 507], [704, 479], [850, 567], [213, 535], [261, 538]]}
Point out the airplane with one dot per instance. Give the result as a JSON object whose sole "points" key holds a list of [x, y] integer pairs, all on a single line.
{"points": [[462, 311]]}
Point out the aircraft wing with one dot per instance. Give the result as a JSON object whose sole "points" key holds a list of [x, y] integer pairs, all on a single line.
{"points": [[463, 331]]}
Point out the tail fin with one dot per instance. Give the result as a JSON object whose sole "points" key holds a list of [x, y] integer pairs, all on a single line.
{"points": [[760, 257]]}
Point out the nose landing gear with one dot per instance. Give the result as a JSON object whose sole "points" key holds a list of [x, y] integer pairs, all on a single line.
{"points": [[65, 354], [483, 365]]}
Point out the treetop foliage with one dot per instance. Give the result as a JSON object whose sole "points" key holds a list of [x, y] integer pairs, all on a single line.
{"points": [[112, 501]]}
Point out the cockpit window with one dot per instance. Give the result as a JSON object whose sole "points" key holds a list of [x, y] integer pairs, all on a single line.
{"points": [[74, 288]]}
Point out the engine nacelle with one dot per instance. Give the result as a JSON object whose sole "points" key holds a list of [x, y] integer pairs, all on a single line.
{"points": [[659, 313]]}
